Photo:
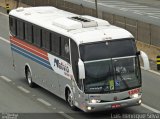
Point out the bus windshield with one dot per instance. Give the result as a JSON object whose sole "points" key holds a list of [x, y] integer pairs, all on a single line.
{"points": [[110, 66], [112, 75]]}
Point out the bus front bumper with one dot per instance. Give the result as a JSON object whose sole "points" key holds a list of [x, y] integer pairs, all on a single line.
{"points": [[92, 107]]}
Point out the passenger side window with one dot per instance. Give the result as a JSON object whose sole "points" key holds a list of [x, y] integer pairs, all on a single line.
{"points": [[46, 43], [55, 41], [65, 50], [37, 35], [20, 29], [75, 56], [12, 24], [28, 32]]}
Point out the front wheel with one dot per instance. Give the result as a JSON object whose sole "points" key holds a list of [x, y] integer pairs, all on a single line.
{"points": [[70, 100], [29, 78]]}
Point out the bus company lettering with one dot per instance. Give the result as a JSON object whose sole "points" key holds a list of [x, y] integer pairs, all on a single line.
{"points": [[61, 65]]}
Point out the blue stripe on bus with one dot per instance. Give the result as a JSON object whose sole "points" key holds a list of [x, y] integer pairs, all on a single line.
{"points": [[29, 53], [30, 56]]}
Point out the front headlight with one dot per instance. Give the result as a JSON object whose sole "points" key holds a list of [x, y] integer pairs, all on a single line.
{"points": [[95, 101], [134, 95]]}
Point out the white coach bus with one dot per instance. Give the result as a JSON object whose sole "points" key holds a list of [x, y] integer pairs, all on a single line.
{"points": [[84, 60]]}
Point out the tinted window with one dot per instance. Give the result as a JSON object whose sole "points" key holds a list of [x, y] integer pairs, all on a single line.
{"points": [[109, 49], [75, 56], [37, 36], [65, 50], [12, 23], [46, 40], [20, 29], [28, 32], [112, 75], [55, 41]]}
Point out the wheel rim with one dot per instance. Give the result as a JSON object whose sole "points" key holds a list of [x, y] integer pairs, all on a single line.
{"points": [[29, 77], [70, 98]]}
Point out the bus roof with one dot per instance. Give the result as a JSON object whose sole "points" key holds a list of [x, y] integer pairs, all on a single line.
{"points": [[81, 28]]}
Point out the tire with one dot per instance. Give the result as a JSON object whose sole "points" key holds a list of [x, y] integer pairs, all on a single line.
{"points": [[29, 78], [70, 100]]}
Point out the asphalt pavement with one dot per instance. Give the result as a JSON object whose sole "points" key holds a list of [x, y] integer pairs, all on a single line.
{"points": [[16, 101], [16, 96]]}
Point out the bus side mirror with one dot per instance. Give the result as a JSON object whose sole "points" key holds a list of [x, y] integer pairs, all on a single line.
{"points": [[145, 60], [81, 69], [138, 53]]}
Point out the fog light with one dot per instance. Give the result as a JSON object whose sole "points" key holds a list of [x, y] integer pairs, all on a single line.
{"points": [[89, 108]]}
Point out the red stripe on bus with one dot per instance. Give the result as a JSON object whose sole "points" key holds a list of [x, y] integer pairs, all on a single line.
{"points": [[29, 48]]}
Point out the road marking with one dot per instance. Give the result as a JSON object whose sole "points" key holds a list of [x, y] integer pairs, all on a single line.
{"points": [[6, 79], [23, 89], [4, 14], [157, 14], [128, 6], [5, 40], [115, 2], [150, 108], [135, 6], [155, 17], [152, 71], [146, 8], [65, 115], [123, 9], [44, 102], [154, 12], [140, 13]]}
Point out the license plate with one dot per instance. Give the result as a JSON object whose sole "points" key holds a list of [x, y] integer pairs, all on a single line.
{"points": [[116, 106]]}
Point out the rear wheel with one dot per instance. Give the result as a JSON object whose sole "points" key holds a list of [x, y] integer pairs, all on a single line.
{"points": [[70, 100], [29, 78]]}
